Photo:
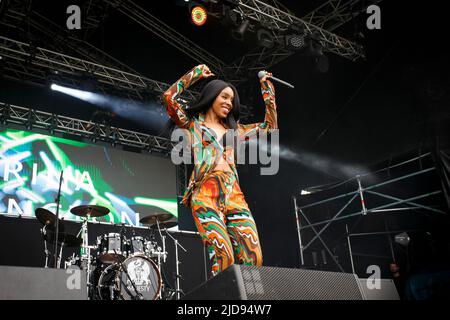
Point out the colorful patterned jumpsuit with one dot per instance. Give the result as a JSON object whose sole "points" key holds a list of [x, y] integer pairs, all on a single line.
{"points": [[219, 209]]}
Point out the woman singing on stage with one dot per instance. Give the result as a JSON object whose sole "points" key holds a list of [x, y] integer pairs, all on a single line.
{"points": [[220, 211]]}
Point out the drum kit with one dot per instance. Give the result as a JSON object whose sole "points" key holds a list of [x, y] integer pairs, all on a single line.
{"points": [[117, 267]]}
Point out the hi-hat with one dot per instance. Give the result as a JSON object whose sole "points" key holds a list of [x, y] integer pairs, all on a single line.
{"points": [[151, 219], [47, 218], [91, 210]]}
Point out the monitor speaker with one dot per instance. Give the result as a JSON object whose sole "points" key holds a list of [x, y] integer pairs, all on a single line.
{"points": [[239, 282], [25, 283]]}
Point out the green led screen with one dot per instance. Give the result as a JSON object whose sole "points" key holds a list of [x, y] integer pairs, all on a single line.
{"points": [[130, 185]]}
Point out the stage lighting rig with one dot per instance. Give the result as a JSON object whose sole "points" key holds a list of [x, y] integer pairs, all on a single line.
{"points": [[265, 38], [198, 14], [295, 38]]}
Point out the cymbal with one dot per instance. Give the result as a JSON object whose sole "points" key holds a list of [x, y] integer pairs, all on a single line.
{"points": [[48, 218], [165, 225], [69, 239], [91, 210], [151, 219]]}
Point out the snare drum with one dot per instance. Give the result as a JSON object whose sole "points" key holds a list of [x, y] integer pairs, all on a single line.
{"points": [[112, 247]]}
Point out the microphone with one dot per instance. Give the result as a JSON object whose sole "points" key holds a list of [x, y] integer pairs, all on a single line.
{"points": [[263, 73]]}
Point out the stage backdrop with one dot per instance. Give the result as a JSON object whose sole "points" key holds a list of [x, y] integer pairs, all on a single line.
{"points": [[130, 185]]}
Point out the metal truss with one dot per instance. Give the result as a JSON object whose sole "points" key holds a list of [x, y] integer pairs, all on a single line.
{"points": [[168, 34], [276, 19], [121, 76], [388, 234], [30, 24], [260, 58], [357, 196], [33, 119], [273, 16], [23, 60], [93, 13], [334, 13], [279, 21], [20, 17]]}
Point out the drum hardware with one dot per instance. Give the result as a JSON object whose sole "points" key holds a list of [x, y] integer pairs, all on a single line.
{"points": [[48, 231], [165, 225], [85, 251], [90, 211], [46, 251], [123, 268], [112, 248], [165, 220], [68, 239], [155, 221], [157, 217], [135, 278], [65, 240], [129, 268], [48, 219], [87, 211], [73, 260], [60, 254], [112, 288], [178, 291]]}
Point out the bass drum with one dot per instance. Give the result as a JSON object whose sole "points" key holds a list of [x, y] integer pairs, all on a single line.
{"points": [[143, 281]]}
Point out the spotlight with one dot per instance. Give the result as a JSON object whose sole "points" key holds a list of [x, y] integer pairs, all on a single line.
{"points": [[239, 33], [295, 41], [54, 86], [198, 15], [295, 37], [265, 38]]}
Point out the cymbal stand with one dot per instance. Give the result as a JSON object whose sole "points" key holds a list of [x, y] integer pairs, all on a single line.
{"points": [[60, 254], [177, 262], [163, 240], [85, 251], [162, 253], [47, 252], [157, 251]]}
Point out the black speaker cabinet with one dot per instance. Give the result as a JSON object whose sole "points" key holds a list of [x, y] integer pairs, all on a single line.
{"points": [[24, 283], [240, 282]]}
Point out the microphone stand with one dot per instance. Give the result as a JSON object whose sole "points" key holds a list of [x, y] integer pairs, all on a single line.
{"points": [[55, 253]]}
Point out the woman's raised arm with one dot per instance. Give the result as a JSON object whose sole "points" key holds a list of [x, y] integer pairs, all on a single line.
{"points": [[173, 108], [270, 119]]}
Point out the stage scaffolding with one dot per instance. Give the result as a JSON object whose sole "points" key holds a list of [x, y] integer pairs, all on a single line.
{"points": [[360, 190], [30, 119]]}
